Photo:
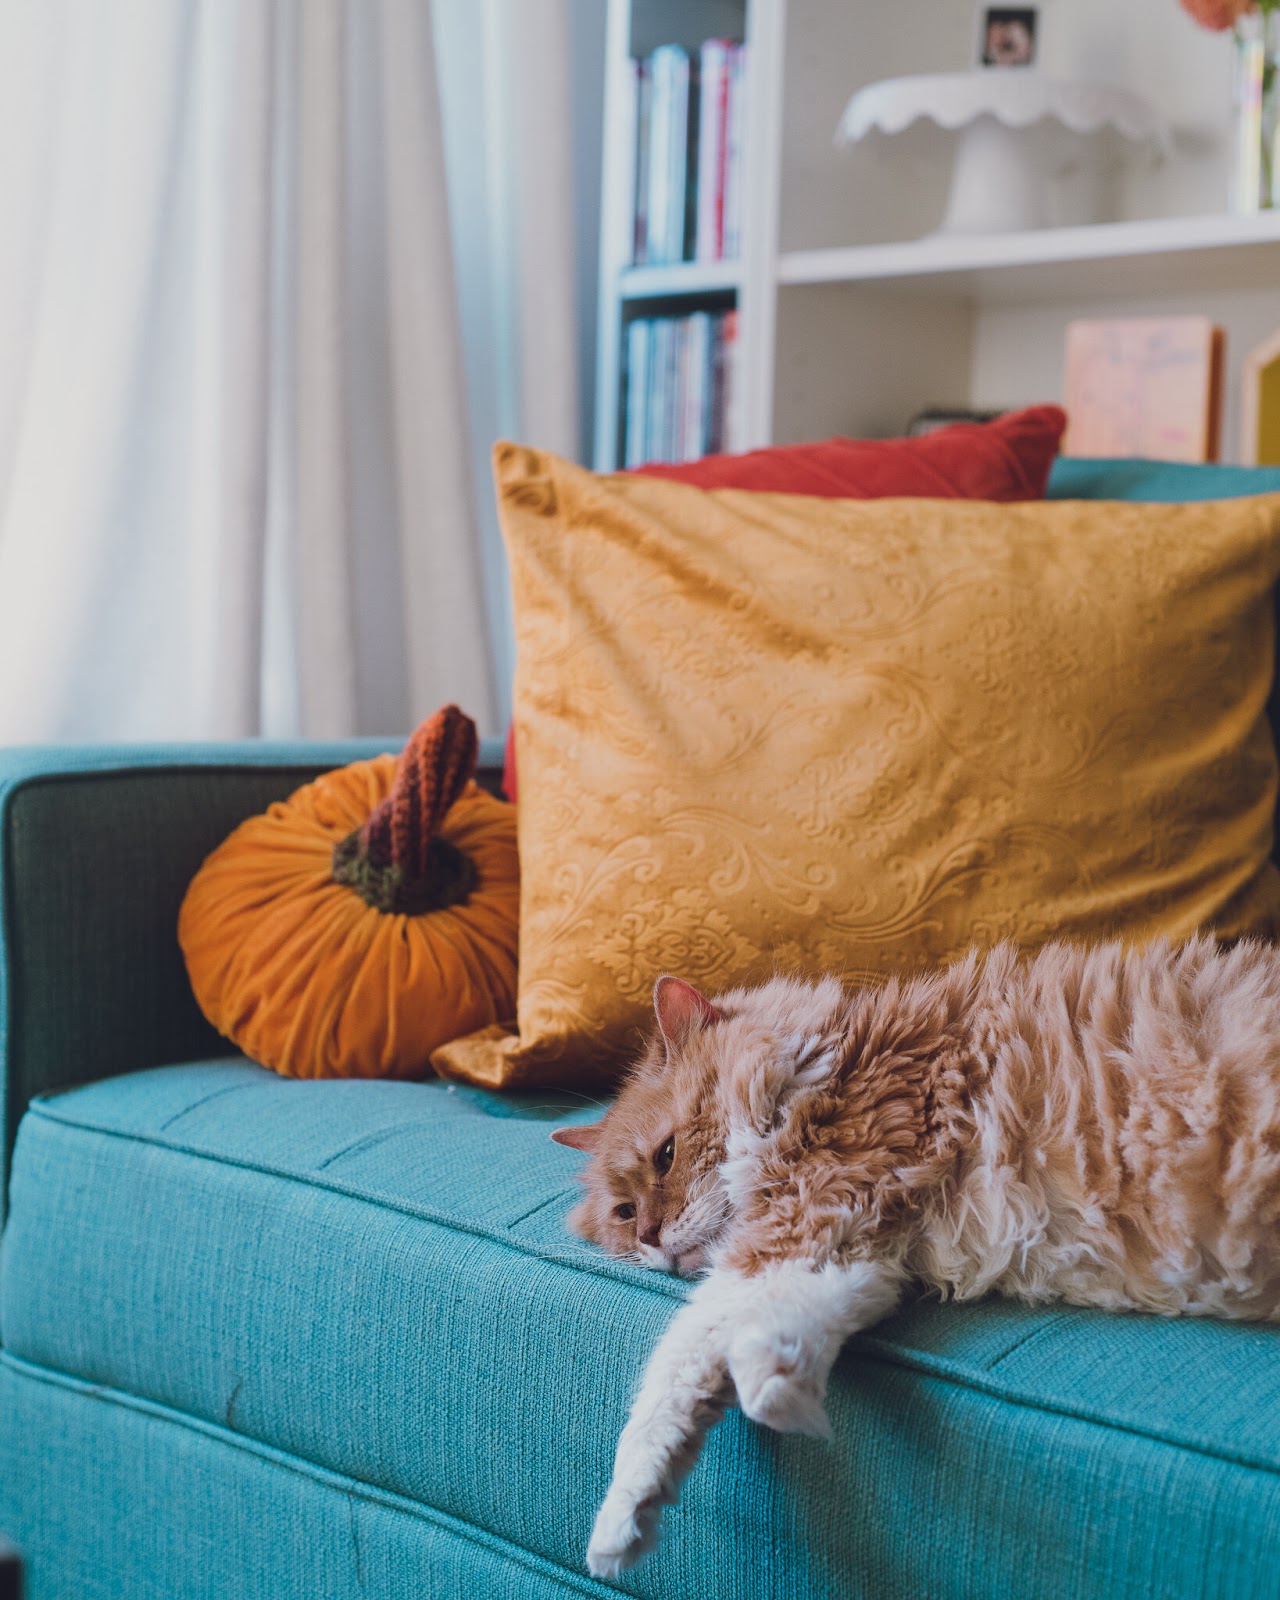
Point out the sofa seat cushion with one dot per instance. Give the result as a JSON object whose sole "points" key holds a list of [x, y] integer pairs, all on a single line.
{"points": [[376, 1278]]}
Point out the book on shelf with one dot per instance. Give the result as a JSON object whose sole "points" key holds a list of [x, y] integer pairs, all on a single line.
{"points": [[730, 388], [639, 346], [658, 430], [1144, 386], [668, 154], [687, 178], [641, 106], [695, 386], [678, 387], [732, 166]]}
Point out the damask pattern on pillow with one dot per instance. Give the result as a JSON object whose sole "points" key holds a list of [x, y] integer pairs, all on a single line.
{"points": [[765, 732]]}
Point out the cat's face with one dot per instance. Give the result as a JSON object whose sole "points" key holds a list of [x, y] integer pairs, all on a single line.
{"points": [[653, 1187]]}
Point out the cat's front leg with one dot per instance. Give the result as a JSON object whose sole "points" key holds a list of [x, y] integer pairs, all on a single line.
{"points": [[684, 1392], [773, 1333], [794, 1318]]}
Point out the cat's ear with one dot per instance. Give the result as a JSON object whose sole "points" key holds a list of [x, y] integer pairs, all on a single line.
{"points": [[585, 1139], [681, 1010]]}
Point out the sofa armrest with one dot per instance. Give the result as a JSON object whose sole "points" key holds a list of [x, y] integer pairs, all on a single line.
{"points": [[10, 1572], [97, 847]]}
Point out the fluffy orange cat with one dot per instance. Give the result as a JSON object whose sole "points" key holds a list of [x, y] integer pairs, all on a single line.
{"points": [[1100, 1126]]}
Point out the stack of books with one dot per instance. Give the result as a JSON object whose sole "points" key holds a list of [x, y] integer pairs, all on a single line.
{"points": [[688, 171], [679, 386]]}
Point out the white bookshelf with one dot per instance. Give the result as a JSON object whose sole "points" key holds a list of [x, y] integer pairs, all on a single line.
{"points": [[679, 280], [852, 314], [1110, 258]]}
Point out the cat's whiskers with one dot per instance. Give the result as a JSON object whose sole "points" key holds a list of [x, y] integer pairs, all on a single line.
{"points": [[593, 1256], [555, 1107], [577, 1094]]}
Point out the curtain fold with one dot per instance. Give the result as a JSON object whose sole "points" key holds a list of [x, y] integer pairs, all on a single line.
{"points": [[431, 440], [226, 503], [510, 127], [318, 297], [235, 471], [535, 73]]}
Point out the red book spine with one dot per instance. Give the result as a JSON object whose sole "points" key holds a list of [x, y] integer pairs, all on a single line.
{"points": [[722, 155]]}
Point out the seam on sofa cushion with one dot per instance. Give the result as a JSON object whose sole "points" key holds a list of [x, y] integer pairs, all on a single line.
{"points": [[366, 1141], [214, 1094], [354, 1487], [560, 1194], [1026, 1338], [866, 1344]]}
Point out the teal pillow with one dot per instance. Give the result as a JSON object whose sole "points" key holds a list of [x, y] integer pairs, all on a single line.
{"points": [[1084, 478]]}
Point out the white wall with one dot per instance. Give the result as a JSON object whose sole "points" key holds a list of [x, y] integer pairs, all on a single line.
{"points": [[1184, 70], [895, 189]]}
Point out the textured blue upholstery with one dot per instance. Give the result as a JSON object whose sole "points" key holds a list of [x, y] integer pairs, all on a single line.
{"points": [[126, 1501]]}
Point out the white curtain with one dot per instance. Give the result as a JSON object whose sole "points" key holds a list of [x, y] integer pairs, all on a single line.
{"points": [[521, 84], [238, 483]]}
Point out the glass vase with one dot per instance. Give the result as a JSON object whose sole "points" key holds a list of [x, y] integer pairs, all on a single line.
{"points": [[1255, 184]]}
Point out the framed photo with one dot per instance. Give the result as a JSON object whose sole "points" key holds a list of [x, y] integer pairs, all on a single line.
{"points": [[1008, 36]]}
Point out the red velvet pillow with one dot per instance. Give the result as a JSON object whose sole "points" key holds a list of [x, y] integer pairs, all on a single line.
{"points": [[1008, 459]]}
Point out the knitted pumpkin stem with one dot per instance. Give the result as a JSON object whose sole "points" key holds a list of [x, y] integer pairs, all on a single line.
{"points": [[396, 861]]}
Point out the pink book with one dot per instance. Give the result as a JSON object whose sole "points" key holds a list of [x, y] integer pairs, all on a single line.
{"points": [[712, 121], [1144, 386]]}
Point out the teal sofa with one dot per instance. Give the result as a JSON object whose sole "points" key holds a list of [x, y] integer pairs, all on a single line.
{"points": [[282, 1340]]}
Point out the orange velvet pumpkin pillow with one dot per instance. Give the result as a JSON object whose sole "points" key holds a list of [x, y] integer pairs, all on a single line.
{"points": [[371, 917]]}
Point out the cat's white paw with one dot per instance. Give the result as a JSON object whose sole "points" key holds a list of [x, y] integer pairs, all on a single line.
{"points": [[789, 1406], [777, 1383], [625, 1529]]}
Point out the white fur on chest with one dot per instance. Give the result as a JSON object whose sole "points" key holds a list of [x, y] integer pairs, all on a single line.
{"points": [[740, 1169], [810, 1062]]}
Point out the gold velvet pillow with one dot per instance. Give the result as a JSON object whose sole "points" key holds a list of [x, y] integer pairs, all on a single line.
{"points": [[764, 731]]}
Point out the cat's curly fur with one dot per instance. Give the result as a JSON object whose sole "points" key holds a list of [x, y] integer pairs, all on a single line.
{"points": [[1100, 1126]]}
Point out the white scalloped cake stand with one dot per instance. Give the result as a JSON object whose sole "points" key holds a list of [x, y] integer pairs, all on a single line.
{"points": [[1011, 125]]}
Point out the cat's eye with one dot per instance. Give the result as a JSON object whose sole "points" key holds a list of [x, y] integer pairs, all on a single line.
{"points": [[625, 1211], [663, 1158]]}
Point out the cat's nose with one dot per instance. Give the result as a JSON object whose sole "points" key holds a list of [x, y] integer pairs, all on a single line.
{"points": [[650, 1232]]}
